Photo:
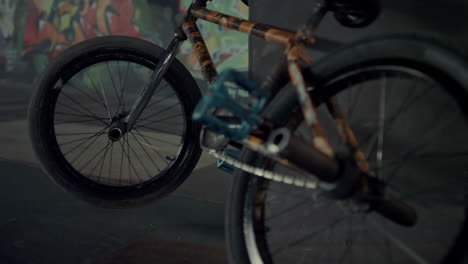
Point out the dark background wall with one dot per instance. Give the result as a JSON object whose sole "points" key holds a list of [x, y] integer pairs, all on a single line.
{"points": [[445, 20]]}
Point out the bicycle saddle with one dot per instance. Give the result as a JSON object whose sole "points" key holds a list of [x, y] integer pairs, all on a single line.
{"points": [[352, 13], [355, 13]]}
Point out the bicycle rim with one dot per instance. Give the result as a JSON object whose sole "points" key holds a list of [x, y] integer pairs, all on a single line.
{"points": [[104, 90], [412, 130]]}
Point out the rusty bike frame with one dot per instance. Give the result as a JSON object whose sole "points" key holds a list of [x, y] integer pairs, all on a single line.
{"points": [[318, 158]]}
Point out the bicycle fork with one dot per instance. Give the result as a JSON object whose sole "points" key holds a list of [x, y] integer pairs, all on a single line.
{"points": [[119, 127]]}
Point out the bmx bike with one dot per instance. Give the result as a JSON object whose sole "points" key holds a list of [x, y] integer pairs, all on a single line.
{"points": [[370, 139]]}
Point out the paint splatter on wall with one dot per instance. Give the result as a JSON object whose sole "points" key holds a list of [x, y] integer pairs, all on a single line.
{"points": [[33, 32]]}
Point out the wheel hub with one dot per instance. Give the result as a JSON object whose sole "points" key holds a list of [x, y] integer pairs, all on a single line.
{"points": [[117, 128]]}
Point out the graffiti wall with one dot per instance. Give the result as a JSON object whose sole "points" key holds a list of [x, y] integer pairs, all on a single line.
{"points": [[34, 32], [229, 49]]}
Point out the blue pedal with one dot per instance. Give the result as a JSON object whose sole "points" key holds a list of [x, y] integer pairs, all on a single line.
{"points": [[247, 112], [222, 165]]}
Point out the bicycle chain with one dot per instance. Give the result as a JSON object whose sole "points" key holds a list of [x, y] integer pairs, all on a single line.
{"points": [[300, 181]]}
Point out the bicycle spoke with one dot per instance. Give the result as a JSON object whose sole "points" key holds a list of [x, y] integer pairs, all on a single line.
{"points": [[78, 121], [120, 96], [86, 72], [83, 107], [138, 158], [424, 141], [113, 85], [290, 193], [69, 83], [86, 148], [424, 156], [99, 94], [120, 78], [157, 130], [128, 157], [174, 122], [161, 111], [441, 155], [95, 167], [309, 236], [162, 119], [106, 102], [158, 101], [381, 127], [83, 115], [76, 110], [121, 164], [297, 205], [399, 244], [75, 134], [75, 140], [96, 136], [415, 194], [352, 104], [103, 160], [152, 147], [146, 152], [92, 158], [129, 162], [404, 107], [160, 140], [410, 101], [123, 87], [110, 162]]}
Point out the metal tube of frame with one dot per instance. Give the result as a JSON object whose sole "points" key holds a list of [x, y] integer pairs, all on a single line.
{"points": [[267, 32], [201, 51], [154, 80], [318, 13], [311, 159]]}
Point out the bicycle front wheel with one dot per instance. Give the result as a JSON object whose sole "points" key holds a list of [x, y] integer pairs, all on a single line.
{"points": [[407, 107], [92, 86]]}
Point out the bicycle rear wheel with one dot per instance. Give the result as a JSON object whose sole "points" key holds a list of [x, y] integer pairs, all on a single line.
{"points": [[409, 113], [87, 89]]}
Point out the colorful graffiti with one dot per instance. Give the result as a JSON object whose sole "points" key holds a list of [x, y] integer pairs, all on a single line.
{"points": [[33, 32], [229, 49], [53, 26]]}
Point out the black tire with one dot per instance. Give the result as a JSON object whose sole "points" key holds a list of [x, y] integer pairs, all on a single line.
{"points": [[60, 95], [248, 240]]}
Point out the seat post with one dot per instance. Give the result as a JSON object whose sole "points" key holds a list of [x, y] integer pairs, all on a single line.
{"points": [[199, 3], [318, 13]]}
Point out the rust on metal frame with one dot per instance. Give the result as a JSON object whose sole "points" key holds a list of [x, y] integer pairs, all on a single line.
{"points": [[308, 110], [269, 33], [298, 59], [208, 68], [254, 142], [347, 134], [296, 54]]}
